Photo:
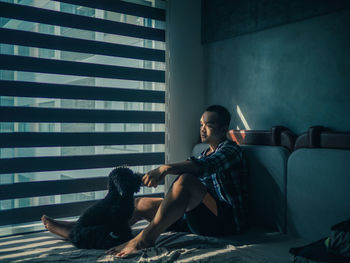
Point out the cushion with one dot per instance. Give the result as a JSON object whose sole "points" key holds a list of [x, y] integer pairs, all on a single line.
{"points": [[317, 191], [267, 183]]}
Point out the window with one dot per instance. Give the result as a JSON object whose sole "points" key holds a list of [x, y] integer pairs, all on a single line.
{"points": [[82, 90]]}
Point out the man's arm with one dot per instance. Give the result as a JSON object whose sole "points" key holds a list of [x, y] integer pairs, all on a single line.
{"points": [[153, 177], [229, 155]]}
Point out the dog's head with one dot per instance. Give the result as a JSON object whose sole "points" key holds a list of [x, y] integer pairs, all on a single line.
{"points": [[126, 182]]}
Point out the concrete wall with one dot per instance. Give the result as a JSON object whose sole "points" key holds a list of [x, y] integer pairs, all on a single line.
{"points": [[185, 77], [296, 74]]}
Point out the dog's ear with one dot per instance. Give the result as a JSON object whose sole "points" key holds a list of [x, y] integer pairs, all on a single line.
{"points": [[138, 181]]}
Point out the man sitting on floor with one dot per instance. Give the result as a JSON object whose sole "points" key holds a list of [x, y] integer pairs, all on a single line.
{"points": [[207, 198]]}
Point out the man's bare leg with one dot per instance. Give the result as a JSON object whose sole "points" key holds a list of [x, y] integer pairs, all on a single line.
{"points": [[57, 227], [186, 193], [145, 208]]}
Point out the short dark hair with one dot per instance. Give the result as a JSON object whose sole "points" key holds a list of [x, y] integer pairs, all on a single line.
{"points": [[223, 114]]}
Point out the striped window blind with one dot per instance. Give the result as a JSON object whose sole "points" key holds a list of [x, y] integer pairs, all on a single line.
{"points": [[82, 90]]}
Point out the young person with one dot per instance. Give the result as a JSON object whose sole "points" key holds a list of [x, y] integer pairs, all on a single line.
{"points": [[207, 198]]}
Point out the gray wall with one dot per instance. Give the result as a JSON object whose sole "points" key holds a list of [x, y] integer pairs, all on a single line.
{"points": [[185, 83], [296, 74]]}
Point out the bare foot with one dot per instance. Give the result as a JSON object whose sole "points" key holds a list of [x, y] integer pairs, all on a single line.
{"points": [[130, 247], [46, 218], [58, 227]]}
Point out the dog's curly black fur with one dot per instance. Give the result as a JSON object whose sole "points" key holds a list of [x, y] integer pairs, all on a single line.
{"points": [[105, 224]]}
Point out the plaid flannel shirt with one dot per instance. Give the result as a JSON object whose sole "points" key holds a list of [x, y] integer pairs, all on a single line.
{"points": [[227, 170]]}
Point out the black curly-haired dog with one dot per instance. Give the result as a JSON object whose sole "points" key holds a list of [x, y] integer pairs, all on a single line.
{"points": [[105, 224]]}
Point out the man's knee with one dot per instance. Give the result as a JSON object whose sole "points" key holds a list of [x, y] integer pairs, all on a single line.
{"points": [[187, 181]]}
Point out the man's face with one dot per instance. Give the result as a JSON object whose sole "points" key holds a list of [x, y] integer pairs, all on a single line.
{"points": [[210, 129]]}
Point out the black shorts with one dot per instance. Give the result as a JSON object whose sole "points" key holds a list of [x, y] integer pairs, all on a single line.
{"points": [[202, 221]]}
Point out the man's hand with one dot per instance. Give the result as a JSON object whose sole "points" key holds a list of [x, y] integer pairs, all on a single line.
{"points": [[153, 177]]}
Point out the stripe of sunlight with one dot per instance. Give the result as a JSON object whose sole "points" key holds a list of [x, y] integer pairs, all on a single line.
{"points": [[244, 121], [59, 255], [34, 245], [30, 251], [215, 253], [25, 240]]}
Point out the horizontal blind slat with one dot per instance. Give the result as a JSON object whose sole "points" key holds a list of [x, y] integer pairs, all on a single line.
{"points": [[41, 164], [53, 139], [34, 213], [121, 7], [53, 66], [50, 17], [35, 114], [34, 189], [63, 91], [54, 187], [39, 40]]}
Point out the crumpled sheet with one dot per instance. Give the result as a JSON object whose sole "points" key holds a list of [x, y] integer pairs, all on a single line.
{"points": [[45, 247], [170, 247]]}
